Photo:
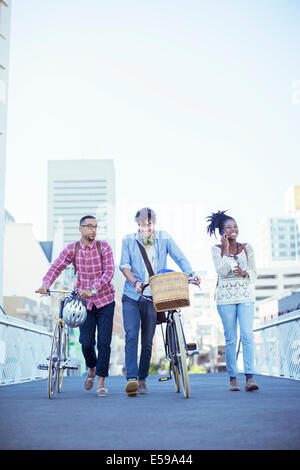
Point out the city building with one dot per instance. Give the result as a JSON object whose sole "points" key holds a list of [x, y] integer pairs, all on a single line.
{"points": [[5, 12], [272, 285], [292, 200], [292, 203], [25, 264], [276, 281], [8, 217], [280, 235], [279, 277], [280, 240], [77, 188]]}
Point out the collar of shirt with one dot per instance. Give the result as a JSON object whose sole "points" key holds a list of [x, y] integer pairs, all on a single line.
{"points": [[83, 246], [139, 237]]}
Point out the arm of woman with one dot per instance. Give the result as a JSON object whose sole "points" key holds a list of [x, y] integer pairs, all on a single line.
{"points": [[222, 264]]}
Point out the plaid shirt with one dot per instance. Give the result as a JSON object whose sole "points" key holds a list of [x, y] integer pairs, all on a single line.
{"points": [[93, 272]]}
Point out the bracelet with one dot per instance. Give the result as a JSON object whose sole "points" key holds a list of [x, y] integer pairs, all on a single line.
{"points": [[135, 283]]}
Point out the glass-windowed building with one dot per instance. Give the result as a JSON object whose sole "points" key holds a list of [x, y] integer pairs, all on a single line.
{"points": [[77, 188], [280, 240]]}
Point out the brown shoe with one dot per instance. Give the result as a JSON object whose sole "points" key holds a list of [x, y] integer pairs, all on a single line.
{"points": [[132, 387], [234, 386], [251, 385], [89, 383]]}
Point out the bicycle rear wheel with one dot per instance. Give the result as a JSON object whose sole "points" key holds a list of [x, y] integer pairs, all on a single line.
{"points": [[54, 359], [181, 355], [172, 354]]}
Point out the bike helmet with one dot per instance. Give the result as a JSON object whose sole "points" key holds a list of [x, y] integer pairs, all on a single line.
{"points": [[74, 311]]}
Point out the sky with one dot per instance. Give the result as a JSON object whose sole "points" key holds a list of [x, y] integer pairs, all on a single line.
{"points": [[196, 101]]}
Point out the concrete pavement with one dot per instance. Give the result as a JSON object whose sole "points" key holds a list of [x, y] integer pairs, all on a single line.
{"points": [[212, 418]]}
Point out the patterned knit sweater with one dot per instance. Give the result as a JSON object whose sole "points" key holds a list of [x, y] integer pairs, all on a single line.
{"points": [[232, 289]]}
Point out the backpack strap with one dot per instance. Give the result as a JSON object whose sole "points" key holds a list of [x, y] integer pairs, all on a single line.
{"points": [[77, 245], [98, 243]]}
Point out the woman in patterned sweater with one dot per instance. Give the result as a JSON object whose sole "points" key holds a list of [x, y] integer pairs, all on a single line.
{"points": [[235, 266]]}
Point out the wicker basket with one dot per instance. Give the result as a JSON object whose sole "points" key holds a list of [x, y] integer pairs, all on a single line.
{"points": [[169, 291]]}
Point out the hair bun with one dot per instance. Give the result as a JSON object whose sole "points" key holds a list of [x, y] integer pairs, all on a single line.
{"points": [[216, 220]]}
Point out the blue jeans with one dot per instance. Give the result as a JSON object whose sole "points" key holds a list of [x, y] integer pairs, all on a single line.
{"points": [[244, 313], [102, 319], [136, 314]]}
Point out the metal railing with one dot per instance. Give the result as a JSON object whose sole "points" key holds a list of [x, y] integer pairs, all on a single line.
{"points": [[23, 346], [277, 347]]}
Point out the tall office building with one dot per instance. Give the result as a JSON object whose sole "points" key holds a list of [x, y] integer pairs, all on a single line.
{"points": [[4, 62], [292, 203], [292, 200], [280, 240], [77, 188]]}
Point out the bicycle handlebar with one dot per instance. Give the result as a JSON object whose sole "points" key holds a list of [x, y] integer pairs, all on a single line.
{"points": [[51, 291]]}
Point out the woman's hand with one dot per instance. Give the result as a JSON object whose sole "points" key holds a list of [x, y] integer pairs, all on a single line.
{"points": [[239, 272], [225, 243], [196, 280]]}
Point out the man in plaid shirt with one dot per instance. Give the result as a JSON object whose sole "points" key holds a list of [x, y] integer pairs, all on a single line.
{"points": [[95, 273]]}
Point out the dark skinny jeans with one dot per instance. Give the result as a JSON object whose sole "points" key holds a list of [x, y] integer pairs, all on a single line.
{"points": [[102, 320]]}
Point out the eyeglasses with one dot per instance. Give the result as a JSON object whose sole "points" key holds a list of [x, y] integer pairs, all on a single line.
{"points": [[90, 226]]}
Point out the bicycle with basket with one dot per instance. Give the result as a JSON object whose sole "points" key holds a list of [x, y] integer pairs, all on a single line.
{"points": [[170, 292]]}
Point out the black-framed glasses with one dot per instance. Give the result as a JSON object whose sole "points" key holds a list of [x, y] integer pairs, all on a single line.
{"points": [[90, 226]]}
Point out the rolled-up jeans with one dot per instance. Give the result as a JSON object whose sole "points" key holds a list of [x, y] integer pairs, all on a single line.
{"points": [[244, 314], [136, 314], [102, 320]]}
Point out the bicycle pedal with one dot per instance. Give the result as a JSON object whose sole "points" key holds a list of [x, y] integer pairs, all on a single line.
{"points": [[54, 359], [43, 367], [163, 379], [191, 346]]}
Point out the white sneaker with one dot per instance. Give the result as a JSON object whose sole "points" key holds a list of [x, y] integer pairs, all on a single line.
{"points": [[142, 387]]}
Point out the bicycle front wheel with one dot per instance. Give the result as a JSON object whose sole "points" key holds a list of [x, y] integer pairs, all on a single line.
{"points": [[181, 355], [54, 359], [63, 357]]}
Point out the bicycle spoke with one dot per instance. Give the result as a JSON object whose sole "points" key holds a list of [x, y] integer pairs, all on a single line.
{"points": [[181, 355], [63, 357], [54, 359], [172, 356]]}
